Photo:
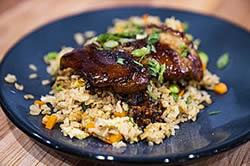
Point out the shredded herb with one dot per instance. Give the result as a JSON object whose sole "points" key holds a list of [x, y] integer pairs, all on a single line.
{"points": [[175, 96], [102, 38], [150, 92], [184, 50], [131, 32], [188, 100], [138, 63], [204, 57], [120, 61], [110, 44], [141, 52], [161, 72], [132, 121], [153, 38], [50, 56], [174, 88], [214, 112], [223, 61], [154, 67], [84, 106], [151, 47]]}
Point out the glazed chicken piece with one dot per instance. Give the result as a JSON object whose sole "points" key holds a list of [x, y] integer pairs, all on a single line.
{"points": [[101, 69], [168, 52]]}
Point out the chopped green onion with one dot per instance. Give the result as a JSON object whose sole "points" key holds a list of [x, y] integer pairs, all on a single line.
{"points": [[125, 40], [154, 67], [175, 96], [174, 88], [120, 61], [84, 106], [138, 63], [58, 88], [141, 52], [150, 93], [102, 38], [223, 61], [141, 36], [153, 38], [110, 44], [50, 56], [185, 26], [131, 33], [161, 72], [188, 100], [184, 50], [214, 112], [132, 121], [151, 47], [203, 56]]}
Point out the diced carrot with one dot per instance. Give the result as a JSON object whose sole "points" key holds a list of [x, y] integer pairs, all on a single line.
{"points": [[52, 119], [91, 124], [45, 119], [220, 88], [114, 138], [120, 114], [39, 102], [181, 93], [145, 19]]}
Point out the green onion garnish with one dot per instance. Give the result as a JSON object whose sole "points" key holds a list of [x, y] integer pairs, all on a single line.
{"points": [[138, 63], [102, 38], [153, 38], [174, 88], [120, 61], [110, 44], [223, 61], [141, 36], [161, 72], [58, 88], [50, 56], [141, 52], [154, 67], [184, 50], [203, 56], [175, 96], [150, 92], [84, 106], [214, 112]]}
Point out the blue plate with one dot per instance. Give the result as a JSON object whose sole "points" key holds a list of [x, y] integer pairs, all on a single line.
{"points": [[207, 136]]}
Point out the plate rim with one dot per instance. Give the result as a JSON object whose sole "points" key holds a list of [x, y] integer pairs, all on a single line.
{"points": [[170, 159]]}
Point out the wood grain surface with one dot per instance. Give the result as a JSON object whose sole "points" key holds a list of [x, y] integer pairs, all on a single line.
{"points": [[19, 17]]}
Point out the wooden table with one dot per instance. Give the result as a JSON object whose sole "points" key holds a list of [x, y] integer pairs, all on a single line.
{"points": [[19, 17]]}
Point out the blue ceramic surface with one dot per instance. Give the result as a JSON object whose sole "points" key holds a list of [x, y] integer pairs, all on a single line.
{"points": [[207, 136]]}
